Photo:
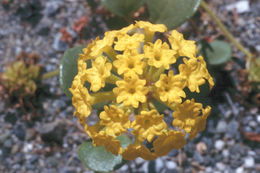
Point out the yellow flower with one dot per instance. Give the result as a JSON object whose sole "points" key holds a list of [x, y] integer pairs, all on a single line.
{"points": [[81, 99], [110, 143], [115, 120], [148, 124], [187, 116], [128, 42], [98, 73], [170, 88], [159, 54], [87, 51], [133, 151], [127, 29], [150, 29], [196, 72], [130, 61], [181, 46], [201, 122], [131, 90], [166, 142], [104, 45], [137, 70]]}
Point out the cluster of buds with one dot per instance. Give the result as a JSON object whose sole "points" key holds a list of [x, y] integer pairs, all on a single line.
{"points": [[19, 79], [131, 70]]}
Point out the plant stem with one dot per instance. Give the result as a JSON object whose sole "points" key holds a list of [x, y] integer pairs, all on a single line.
{"points": [[224, 30], [50, 74]]}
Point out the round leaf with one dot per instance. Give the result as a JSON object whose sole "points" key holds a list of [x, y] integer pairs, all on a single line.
{"points": [[172, 13], [97, 159], [69, 68], [122, 7], [218, 52]]}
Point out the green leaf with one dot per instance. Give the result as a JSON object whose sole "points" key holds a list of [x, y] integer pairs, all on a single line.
{"points": [[69, 68], [122, 8], [172, 13], [97, 159], [218, 52]]}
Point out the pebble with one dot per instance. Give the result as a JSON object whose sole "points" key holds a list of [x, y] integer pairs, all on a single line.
{"points": [[252, 124], [219, 144], [249, 162], [15, 149], [221, 126], [51, 8], [159, 164], [220, 166], [59, 45], [170, 165], [8, 143], [197, 157], [240, 6], [258, 118], [27, 147], [232, 129], [240, 170], [225, 153], [19, 132]]}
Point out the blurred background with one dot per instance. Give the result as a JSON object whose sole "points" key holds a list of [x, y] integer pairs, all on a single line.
{"points": [[38, 132]]}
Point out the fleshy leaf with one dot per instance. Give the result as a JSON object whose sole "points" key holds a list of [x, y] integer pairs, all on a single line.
{"points": [[218, 52], [122, 7], [69, 68], [172, 13], [97, 159]]}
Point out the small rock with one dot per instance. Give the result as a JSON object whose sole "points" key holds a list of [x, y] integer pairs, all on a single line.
{"points": [[252, 124], [51, 8], [249, 162], [227, 113], [225, 153], [232, 129], [3, 136], [219, 144], [240, 170], [209, 169], [170, 165], [15, 149], [197, 157], [173, 153], [123, 169], [30, 133], [139, 161], [258, 118], [19, 132], [59, 104], [59, 45], [159, 164], [201, 147], [221, 166], [221, 127], [27, 147], [8, 143], [234, 163], [240, 6]]}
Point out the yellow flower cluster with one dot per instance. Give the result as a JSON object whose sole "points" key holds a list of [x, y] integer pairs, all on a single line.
{"points": [[128, 70]]}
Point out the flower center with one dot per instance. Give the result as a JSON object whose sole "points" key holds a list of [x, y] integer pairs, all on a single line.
{"points": [[130, 65], [131, 90]]}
